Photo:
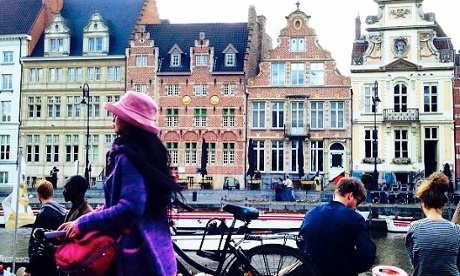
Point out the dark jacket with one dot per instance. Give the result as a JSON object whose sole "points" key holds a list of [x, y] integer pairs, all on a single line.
{"points": [[336, 240], [84, 208], [50, 217]]}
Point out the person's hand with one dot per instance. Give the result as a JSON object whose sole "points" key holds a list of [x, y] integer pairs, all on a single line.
{"points": [[26, 274], [45, 248], [69, 227]]}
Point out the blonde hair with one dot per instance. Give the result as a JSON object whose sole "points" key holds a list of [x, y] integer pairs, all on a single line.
{"points": [[44, 188], [432, 190]]}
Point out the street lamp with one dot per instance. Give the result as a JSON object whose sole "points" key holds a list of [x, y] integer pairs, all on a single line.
{"points": [[375, 101], [85, 100]]}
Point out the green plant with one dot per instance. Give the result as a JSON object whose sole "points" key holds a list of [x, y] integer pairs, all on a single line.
{"points": [[370, 160], [401, 161]]}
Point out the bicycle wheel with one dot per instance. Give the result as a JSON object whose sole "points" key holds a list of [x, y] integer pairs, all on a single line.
{"points": [[274, 259]]}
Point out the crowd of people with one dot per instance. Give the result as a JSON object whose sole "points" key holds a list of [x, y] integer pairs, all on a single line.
{"points": [[139, 188]]}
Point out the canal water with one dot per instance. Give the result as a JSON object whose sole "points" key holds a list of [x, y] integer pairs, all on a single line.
{"points": [[390, 247]]}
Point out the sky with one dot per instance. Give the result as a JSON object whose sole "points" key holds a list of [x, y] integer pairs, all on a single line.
{"points": [[333, 20]]}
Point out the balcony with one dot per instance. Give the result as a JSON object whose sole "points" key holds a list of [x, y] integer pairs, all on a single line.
{"points": [[411, 115], [296, 132]]}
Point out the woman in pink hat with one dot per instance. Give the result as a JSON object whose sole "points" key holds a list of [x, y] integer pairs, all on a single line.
{"points": [[138, 190]]}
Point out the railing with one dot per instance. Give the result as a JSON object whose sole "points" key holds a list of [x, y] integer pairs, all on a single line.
{"points": [[294, 131], [411, 115]]}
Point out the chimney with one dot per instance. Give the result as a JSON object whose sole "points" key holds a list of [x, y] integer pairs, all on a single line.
{"points": [[357, 27]]}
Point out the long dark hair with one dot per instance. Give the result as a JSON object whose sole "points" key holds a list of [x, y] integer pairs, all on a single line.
{"points": [[148, 154]]}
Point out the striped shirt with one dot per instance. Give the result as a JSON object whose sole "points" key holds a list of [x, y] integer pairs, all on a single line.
{"points": [[433, 247]]}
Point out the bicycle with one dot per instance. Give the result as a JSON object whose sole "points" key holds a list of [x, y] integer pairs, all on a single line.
{"points": [[233, 260]]}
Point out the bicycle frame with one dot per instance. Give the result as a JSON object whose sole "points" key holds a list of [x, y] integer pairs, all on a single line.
{"points": [[219, 257]]}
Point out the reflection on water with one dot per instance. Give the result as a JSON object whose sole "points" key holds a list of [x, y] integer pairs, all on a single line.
{"points": [[390, 247]]}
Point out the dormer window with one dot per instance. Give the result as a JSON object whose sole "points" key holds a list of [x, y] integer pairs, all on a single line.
{"points": [[230, 59], [201, 60], [56, 45], [95, 44], [57, 38], [175, 55], [96, 36], [230, 55]]}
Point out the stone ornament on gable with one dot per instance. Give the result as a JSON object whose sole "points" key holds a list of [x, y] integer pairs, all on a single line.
{"points": [[399, 47], [400, 13]]}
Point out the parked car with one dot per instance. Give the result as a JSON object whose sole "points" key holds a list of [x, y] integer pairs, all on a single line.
{"points": [[231, 183]]}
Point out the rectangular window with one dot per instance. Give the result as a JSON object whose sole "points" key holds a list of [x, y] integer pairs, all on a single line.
{"points": [[108, 139], [228, 89], [173, 151], [111, 99], [200, 89], [337, 114], [34, 106], [190, 153], [113, 73], [297, 119], [316, 74], [5, 147], [32, 148], [401, 143], [258, 115], [369, 136], [367, 98], [52, 148], [141, 60], [56, 45], [228, 117], [74, 74], [73, 106], [55, 74], [297, 44], [316, 156], [228, 153], [172, 90], [175, 60], [199, 117], [297, 74], [94, 106], [7, 82], [201, 60], [212, 156], [277, 157], [172, 117], [277, 74], [4, 178], [141, 88], [7, 57], [93, 148], [6, 111], [54, 106], [259, 148], [71, 148], [230, 59], [316, 115], [431, 133], [35, 74], [430, 98], [95, 44]]}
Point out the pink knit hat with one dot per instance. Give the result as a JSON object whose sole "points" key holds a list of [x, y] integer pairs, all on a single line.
{"points": [[136, 109]]}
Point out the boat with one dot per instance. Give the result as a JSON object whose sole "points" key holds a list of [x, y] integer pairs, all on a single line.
{"points": [[397, 224], [276, 222]]}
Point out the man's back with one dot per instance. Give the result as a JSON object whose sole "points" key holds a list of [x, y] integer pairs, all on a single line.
{"points": [[336, 240]]}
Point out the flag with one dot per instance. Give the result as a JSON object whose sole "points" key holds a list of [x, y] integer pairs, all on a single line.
{"points": [[338, 177], [18, 202]]}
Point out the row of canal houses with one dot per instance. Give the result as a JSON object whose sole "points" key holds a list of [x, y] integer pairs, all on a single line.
{"points": [[226, 84]]}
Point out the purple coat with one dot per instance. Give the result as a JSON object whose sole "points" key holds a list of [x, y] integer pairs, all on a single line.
{"points": [[147, 249]]}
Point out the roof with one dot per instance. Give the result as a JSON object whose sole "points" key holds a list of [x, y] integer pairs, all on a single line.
{"points": [[18, 16], [120, 16], [220, 35]]}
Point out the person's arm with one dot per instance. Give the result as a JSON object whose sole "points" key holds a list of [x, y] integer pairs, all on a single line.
{"points": [[365, 248]]}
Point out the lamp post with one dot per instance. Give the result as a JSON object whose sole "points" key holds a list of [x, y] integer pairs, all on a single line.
{"points": [[85, 100], [375, 101]]}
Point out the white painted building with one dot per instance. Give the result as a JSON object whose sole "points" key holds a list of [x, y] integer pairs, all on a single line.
{"points": [[406, 60]]}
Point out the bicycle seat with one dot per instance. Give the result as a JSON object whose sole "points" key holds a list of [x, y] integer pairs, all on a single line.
{"points": [[241, 212]]}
